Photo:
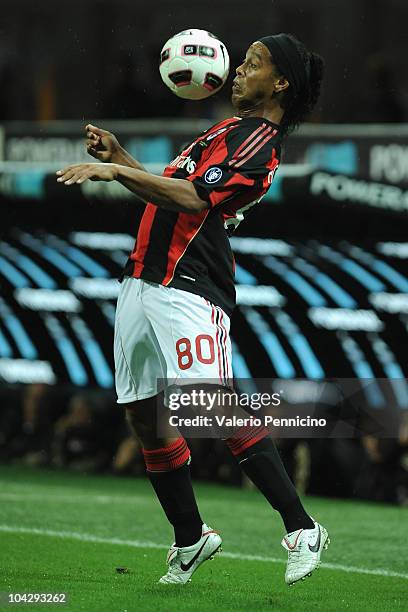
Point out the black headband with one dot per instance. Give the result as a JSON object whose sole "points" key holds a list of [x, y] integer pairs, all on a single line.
{"points": [[288, 59]]}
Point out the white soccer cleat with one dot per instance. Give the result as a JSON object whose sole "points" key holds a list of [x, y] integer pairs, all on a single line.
{"points": [[183, 562], [304, 548]]}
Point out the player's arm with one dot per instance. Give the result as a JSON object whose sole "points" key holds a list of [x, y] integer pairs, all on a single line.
{"points": [[104, 145], [173, 194]]}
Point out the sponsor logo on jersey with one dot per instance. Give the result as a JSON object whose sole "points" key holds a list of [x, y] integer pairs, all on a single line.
{"points": [[185, 162], [213, 175]]}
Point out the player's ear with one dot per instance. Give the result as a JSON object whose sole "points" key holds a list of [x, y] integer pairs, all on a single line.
{"points": [[281, 84]]}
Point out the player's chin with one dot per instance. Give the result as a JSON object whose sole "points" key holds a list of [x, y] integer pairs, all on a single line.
{"points": [[235, 98]]}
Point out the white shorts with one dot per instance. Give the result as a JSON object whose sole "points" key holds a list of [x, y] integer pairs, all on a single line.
{"points": [[166, 336]]}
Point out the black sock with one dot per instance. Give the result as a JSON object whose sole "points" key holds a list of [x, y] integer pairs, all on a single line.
{"points": [[261, 462], [176, 496]]}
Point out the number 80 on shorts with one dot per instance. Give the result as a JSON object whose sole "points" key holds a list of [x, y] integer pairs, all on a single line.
{"points": [[204, 351]]}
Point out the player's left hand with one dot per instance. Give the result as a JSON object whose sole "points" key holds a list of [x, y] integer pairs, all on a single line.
{"points": [[78, 173]]}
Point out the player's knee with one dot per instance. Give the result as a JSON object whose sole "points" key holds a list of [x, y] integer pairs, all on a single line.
{"points": [[135, 416], [141, 415]]}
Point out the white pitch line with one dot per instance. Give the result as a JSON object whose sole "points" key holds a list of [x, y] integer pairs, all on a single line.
{"points": [[85, 537], [14, 495], [90, 499]]}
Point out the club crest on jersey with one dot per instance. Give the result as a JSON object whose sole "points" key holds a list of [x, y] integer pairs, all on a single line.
{"points": [[213, 175]]}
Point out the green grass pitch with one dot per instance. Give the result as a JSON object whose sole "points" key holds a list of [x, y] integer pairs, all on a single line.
{"points": [[67, 533]]}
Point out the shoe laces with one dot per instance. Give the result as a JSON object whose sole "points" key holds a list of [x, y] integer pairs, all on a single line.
{"points": [[295, 554], [174, 558]]}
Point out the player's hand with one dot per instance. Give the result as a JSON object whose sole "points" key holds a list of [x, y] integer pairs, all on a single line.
{"points": [[101, 144], [78, 173]]}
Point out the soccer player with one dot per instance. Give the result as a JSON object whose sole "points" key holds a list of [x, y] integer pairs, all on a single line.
{"points": [[175, 302]]}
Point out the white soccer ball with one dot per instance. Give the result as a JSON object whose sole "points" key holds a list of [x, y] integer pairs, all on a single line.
{"points": [[194, 64]]}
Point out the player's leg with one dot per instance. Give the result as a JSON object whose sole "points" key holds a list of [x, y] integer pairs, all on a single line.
{"points": [[167, 466], [260, 461], [178, 319], [139, 368]]}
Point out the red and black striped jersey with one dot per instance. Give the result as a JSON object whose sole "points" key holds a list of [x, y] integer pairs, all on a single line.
{"points": [[231, 166]]}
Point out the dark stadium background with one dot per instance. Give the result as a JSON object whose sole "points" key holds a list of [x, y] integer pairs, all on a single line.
{"points": [[323, 287]]}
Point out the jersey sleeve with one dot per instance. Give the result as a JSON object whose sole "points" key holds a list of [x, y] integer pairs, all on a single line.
{"points": [[238, 165]]}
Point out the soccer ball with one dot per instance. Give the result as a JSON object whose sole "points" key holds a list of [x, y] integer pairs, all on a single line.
{"points": [[194, 64]]}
